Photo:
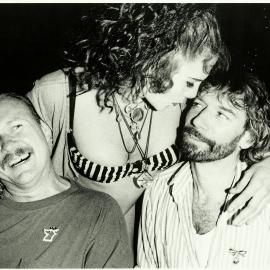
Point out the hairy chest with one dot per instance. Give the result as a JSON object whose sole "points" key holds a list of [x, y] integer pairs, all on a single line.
{"points": [[205, 214]]}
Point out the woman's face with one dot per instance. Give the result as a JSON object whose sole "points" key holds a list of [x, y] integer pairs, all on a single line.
{"points": [[186, 75]]}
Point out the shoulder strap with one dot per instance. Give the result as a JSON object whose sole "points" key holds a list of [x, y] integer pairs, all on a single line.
{"points": [[72, 98]]}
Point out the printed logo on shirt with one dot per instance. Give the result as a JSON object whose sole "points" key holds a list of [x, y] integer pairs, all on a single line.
{"points": [[237, 254], [50, 234]]}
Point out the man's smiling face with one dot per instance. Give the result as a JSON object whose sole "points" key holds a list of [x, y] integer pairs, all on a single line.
{"points": [[24, 152]]}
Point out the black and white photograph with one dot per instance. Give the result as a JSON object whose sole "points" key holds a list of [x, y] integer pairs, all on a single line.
{"points": [[134, 135]]}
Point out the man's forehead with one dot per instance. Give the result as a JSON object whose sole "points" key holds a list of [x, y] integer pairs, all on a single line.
{"points": [[224, 99], [13, 108]]}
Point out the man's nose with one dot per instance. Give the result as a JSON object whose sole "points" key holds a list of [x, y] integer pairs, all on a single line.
{"points": [[7, 143], [200, 120]]}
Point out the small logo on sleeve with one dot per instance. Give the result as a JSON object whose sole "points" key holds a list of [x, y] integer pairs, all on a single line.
{"points": [[50, 234]]}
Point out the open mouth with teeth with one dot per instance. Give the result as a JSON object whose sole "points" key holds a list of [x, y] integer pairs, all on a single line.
{"points": [[19, 160]]}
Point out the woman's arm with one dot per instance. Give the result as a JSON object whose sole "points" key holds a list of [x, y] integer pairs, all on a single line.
{"points": [[253, 190]]}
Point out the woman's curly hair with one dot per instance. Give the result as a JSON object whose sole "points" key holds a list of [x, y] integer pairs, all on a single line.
{"points": [[116, 51], [245, 91]]}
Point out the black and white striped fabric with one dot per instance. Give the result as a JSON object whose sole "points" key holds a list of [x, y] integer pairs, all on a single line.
{"points": [[105, 174]]}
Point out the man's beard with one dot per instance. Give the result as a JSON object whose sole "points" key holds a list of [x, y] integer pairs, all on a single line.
{"points": [[189, 150]]}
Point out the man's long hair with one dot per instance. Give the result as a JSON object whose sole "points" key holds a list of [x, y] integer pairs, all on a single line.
{"points": [[245, 91]]}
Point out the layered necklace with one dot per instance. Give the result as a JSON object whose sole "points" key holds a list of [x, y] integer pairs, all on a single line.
{"points": [[132, 115]]}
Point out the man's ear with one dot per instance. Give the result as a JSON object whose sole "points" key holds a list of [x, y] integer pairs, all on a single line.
{"points": [[246, 140], [47, 133]]}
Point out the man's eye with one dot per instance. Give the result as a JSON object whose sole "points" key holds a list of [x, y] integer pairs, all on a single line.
{"points": [[190, 84], [222, 115], [18, 126]]}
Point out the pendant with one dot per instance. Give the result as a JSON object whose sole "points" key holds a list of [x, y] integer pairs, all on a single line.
{"points": [[137, 114], [145, 179]]}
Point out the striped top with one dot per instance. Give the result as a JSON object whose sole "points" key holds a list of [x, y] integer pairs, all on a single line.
{"points": [[106, 174], [167, 236]]}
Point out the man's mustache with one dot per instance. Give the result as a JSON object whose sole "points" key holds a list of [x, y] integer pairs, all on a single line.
{"points": [[19, 151], [197, 134]]}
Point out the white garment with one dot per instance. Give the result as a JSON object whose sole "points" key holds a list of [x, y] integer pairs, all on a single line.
{"points": [[202, 246], [166, 238]]}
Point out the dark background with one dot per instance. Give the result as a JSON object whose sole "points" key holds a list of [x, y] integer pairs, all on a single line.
{"points": [[32, 37]]}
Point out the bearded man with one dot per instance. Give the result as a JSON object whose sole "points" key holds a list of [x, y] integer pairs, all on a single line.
{"points": [[184, 219]]}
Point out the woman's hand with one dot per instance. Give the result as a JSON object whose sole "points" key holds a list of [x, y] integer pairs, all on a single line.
{"points": [[255, 191]]}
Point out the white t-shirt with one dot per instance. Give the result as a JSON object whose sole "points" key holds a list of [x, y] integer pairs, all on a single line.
{"points": [[202, 246]]}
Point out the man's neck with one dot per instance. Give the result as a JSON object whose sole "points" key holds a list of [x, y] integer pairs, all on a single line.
{"points": [[215, 177], [211, 181], [49, 185]]}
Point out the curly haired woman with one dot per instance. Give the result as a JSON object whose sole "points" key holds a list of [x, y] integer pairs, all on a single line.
{"points": [[114, 113]]}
